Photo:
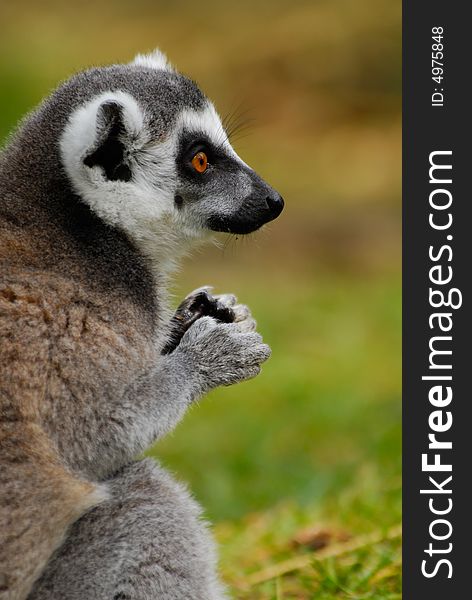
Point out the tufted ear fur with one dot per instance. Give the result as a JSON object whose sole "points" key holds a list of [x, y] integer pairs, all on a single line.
{"points": [[153, 60], [112, 138], [101, 139]]}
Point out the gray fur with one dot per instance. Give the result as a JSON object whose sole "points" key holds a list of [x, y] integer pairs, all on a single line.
{"points": [[85, 387], [148, 541]]}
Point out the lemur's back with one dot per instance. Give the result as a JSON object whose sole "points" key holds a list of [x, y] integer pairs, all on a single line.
{"points": [[39, 497]]}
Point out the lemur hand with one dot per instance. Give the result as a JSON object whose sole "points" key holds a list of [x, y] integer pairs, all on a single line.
{"points": [[220, 353], [201, 303]]}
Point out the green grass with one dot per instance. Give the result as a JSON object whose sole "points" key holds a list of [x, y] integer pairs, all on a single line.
{"points": [[262, 559]]}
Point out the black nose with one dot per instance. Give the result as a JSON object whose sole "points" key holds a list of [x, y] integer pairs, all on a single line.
{"points": [[275, 203]]}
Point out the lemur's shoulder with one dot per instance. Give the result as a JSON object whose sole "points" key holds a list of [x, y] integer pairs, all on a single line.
{"points": [[57, 245]]}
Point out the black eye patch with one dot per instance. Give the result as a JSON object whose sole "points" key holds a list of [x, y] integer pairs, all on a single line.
{"points": [[191, 143], [200, 143]]}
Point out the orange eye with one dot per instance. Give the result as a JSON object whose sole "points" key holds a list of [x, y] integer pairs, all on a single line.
{"points": [[200, 162]]}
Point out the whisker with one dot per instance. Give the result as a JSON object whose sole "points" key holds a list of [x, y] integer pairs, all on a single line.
{"points": [[241, 123], [232, 115], [235, 122]]}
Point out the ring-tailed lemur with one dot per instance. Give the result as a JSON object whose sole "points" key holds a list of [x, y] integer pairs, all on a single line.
{"points": [[102, 188]]}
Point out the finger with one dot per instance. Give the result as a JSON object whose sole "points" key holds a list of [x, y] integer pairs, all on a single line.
{"points": [[226, 299], [245, 374], [263, 352], [205, 288], [251, 372], [247, 325], [257, 354], [203, 325], [241, 312]]}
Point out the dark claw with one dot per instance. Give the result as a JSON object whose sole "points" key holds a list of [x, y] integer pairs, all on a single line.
{"points": [[189, 311]]}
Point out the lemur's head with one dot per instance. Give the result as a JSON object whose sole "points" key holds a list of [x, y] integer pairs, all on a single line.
{"points": [[143, 147]]}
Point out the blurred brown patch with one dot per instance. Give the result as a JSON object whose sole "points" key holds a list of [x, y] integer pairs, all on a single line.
{"points": [[318, 537]]}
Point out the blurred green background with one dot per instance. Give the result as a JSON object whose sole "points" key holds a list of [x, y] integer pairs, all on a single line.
{"points": [[316, 87]]}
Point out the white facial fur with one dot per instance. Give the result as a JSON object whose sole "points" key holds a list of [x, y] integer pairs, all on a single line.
{"points": [[143, 207]]}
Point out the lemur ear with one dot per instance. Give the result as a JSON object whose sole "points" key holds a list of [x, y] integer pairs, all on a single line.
{"points": [[153, 60], [102, 139], [112, 138]]}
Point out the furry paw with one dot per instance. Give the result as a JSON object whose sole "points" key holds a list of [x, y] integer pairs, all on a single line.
{"points": [[240, 312], [223, 353], [200, 303]]}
